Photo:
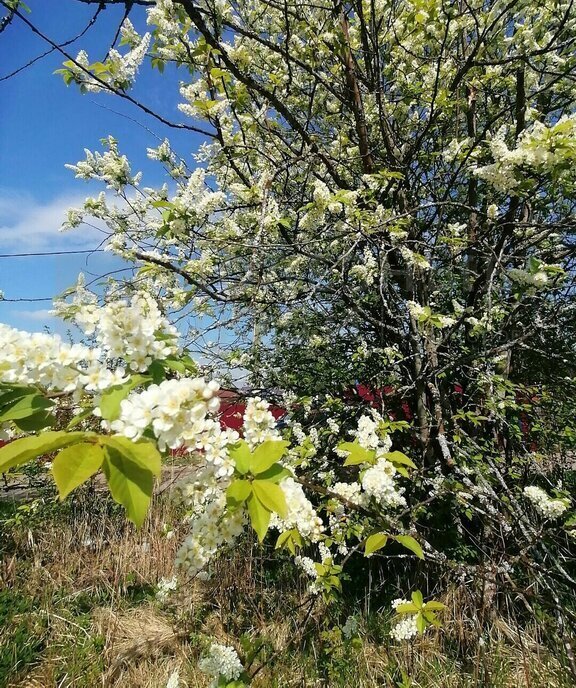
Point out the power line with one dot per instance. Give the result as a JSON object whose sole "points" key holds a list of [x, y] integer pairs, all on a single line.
{"points": [[49, 253], [47, 298]]}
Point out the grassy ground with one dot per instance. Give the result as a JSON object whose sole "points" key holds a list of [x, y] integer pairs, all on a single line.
{"points": [[78, 608]]}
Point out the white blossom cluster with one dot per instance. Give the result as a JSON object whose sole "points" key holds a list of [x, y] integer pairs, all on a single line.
{"points": [[211, 529], [547, 507], [300, 513], [47, 361], [109, 167], [176, 410], [540, 149], [119, 71], [221, 661], [259, 423], [165, 587], [536, 279], [367, 433], [404, 627], [134, 330], [378, 482]]}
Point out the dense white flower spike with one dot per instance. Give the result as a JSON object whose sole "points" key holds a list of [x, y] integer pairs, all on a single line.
{"points": [[259, 423], [221, 661], [404, 628], [134, 330], [378, 482], [301, 514], [175, 410], [545, 505]]}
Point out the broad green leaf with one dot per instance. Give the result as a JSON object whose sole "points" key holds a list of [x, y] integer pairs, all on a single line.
{"points": [[418, 599], [129, 483], [27, 448], [357, 454], [238, 492], [407, 608], [74, 465], [241, 455], [399, 457], [375, 542], [410, 543], [420, 623], [111, 399], [271, 496], [259, 516], [434, 606], [24, 407], [9, 393], [266, 455], [37, 421], [275, 473], [286, 540], [143, 453]]}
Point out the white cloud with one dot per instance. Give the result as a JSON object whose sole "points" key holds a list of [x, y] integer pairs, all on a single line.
{"points": [[41, 315], [27, 225]]}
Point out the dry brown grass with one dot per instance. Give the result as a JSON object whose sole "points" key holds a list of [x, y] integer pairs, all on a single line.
{"points": [[92, 576]]}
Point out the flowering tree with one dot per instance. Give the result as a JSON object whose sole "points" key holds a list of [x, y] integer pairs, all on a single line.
{"points": [[384, 196]]}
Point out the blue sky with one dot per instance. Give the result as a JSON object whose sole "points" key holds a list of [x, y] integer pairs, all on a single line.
{"points": [[43, 126]]}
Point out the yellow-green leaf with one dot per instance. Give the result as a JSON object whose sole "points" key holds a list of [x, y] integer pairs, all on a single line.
{"points": [[129, 483], [418, 599], [375, 542], [406, 608], [143, 453], [410, 543], [357, 454], [434, 606], [266, 455], [241, 455], [259, 516], [238, 492], [399, 457], [420, 623], [112, 398], [271, 496], [26, 448], [74, 465]]}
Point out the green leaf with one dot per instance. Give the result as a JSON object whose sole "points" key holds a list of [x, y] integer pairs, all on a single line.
{"points": [[241, 455], [259, 516], [9, 393], [129, 483], [434, 606], [418, 599], [238, 492], [399, 457], [37, 421], [271, 496], [24, 407], [266, 455], [375, 542], [74, 465], [420, 623], [407, 608], [27, 448], [143, 453], [286, 539], [111, 399], [275, 473], [357, 454], [410, 543]]}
